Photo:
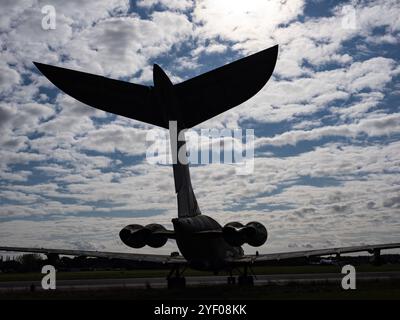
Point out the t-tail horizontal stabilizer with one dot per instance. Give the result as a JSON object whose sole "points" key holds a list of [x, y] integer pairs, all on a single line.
{"points": [[190, 102]]}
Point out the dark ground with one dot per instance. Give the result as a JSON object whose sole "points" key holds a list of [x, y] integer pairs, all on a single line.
{"points": [[366, 290], [378, 289]]}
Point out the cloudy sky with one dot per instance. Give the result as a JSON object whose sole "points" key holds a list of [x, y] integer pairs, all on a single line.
{"points": [[327, 124]]}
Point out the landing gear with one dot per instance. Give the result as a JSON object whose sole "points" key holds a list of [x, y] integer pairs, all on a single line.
{"points": [[231, 279], [176, 282], [245, 279], [376, 259], [175, 279]]}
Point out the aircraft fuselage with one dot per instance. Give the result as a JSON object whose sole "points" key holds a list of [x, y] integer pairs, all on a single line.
{"points": [[201, 244]]}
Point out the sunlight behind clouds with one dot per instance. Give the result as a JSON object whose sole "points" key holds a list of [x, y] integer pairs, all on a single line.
{"points": [[237, 20]]}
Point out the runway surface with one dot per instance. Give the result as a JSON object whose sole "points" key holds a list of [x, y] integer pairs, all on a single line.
{"points": [[94, 284]]}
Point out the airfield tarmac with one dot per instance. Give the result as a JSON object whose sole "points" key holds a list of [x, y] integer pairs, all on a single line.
{"points": [[158, 282]]}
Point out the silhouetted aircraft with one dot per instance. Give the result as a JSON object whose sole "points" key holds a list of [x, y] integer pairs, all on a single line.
{"points": [[203, 242]]}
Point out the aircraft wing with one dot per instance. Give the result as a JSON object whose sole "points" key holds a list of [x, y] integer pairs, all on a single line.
{"points": [[263, 258], [138, 257]]}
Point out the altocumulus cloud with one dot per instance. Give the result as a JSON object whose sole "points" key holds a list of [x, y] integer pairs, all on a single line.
{"points": [[327, 124]]}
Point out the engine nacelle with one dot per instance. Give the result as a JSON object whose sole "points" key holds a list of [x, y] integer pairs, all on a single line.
{"points": [[233, 233], [156, 238], [253, 233], [376, 258], [257, 237], [137, 236]]}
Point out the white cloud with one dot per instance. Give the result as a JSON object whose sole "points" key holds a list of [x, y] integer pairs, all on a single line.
{"points": [[169, 4], [111, 138], [104, 38], [382, 126], [288, 99], [8, 77], [121, 47]]}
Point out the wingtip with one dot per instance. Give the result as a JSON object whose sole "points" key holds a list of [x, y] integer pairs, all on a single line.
{"points": [[274, 51], [44, 68], [275, 48], [38, 65], [270, 51]]}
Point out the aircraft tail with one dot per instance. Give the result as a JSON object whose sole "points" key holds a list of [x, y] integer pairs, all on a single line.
{"points": [[187, 203], [188, 103]]}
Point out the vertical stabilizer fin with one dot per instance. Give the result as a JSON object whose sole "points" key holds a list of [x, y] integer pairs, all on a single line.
{"points": [[187, 203]]}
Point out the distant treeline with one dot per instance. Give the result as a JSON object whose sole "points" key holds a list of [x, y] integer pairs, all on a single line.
{"points": [[35, 262]]}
